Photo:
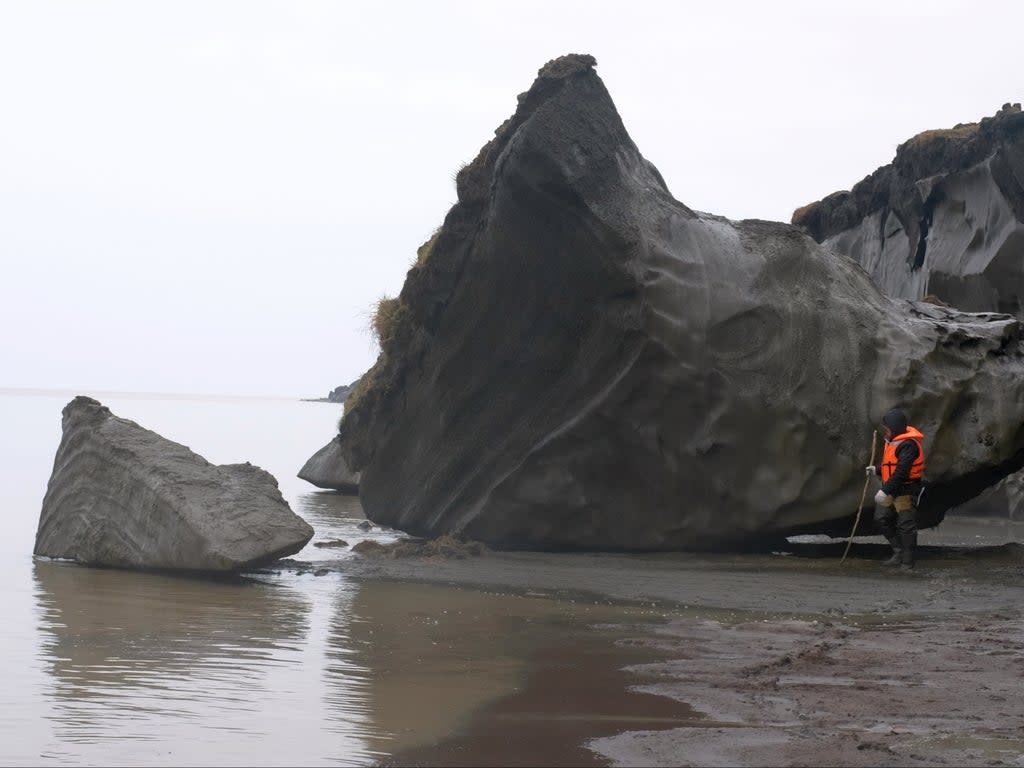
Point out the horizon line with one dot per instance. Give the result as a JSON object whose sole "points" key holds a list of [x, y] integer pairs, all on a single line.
{"points": [[89, 391]]}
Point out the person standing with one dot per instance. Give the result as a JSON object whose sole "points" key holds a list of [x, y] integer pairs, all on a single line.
{"points": [[902, 474]]}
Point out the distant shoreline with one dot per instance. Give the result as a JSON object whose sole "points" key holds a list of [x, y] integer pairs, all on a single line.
{"points": [[104, 393]]}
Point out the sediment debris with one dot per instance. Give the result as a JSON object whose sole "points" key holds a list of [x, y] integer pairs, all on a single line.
{"points": [[123, 496], [446, 547], [331, 544]]}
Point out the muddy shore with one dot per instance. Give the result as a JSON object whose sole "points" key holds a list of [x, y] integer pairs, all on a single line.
{"points": [[780, 659]]}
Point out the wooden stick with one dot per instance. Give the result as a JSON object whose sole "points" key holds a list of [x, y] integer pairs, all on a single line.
{"points": [[863, 495]]}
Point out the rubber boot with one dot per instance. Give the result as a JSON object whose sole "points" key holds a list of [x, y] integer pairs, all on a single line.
{"points": [[897, 551], [908, 541]]}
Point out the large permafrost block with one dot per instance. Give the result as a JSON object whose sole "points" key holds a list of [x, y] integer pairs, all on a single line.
{"points": [[581, 361], [123, 496]]}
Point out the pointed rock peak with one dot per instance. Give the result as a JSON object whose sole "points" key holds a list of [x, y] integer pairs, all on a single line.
{"points": [[84, 401], [567, 66], [550, 78], [83, 408], [473, 181]]}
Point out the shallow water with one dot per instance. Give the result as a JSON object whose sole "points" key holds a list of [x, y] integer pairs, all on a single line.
{"points": [[112, 667]]}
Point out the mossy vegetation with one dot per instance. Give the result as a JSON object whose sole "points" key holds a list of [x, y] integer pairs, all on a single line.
{"points": [[424, 251], [457, 171], [358, 391], [386, 320], [800, 214], [368, 383], [389, 321], [961, 131]]}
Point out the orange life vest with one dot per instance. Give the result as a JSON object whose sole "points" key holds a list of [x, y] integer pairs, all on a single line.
{"points": [[889, 460]]}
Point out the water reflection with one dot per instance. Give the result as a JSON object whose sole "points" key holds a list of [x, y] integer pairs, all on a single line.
{"points": [[144, 668], [346, 683], [151, 668], [467, 677], [327, 508], [432, 656]]}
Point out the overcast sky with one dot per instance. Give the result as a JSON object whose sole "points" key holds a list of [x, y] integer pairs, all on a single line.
{"points": [[210, 196]]}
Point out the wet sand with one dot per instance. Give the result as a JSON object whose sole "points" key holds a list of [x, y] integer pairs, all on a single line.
{"points": [[775, 659], [570, 694], [939, 690]]}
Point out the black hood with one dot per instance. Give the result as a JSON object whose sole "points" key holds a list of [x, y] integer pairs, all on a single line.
{"points": [[896, 420]]}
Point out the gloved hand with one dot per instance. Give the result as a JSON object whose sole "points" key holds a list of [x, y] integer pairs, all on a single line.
{"points": [[869, 470], [880, 497]]}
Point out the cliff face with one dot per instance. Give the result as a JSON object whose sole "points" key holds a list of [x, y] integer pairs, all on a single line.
{"points": [[581, 361], [945, 218]]}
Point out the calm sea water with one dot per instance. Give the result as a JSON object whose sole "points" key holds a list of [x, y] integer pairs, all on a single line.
{"points": [[109, 667]]}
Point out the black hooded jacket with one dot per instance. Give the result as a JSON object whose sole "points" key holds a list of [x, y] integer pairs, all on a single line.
{"points": [[899, 482]]}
